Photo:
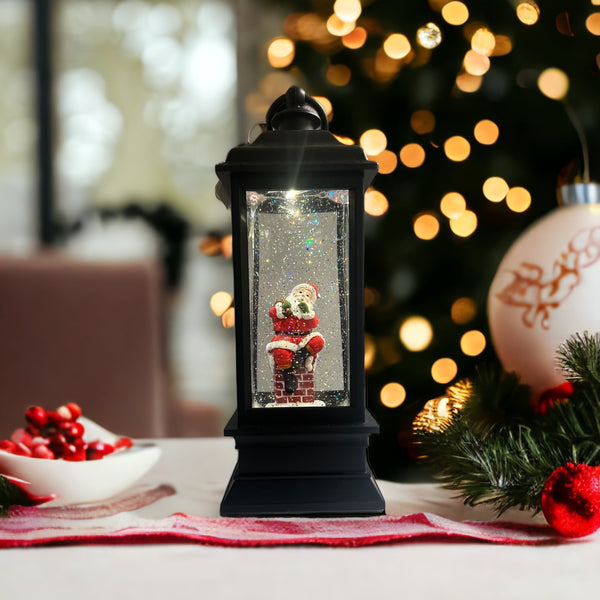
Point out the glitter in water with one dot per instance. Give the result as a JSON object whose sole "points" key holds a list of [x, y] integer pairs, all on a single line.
{"points": [[429, 36]]}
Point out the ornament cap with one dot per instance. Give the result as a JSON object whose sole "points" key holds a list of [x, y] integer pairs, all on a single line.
{"points": [[579, 193]]}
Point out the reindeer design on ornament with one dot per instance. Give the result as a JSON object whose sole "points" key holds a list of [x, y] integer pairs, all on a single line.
{"points": [[537, 296]]}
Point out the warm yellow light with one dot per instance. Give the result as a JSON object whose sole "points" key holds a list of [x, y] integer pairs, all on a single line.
{"points": [[422, 121], [376, 204], [396, 46], [444, 370], [472, 343], [227, 246], [483, 41], [326, 104], [457, 148], [426, 226], [465, 225], [553, 83], [412, 155], [392, 395], [468, 83], [453, 205], [370, 351], [592, 23], [355, 39], [387, 161], [429, 36], [503, 46], [495, 189], [528, 12], [372, 297], [228, 318], [486, 132], [476, 64], [518, 199], [220, 302], [463, 310], [416, 333], [373, 141], [338, 75], [347, 10], [344, 140], [280, 52], [455, 13], [337, 27]]}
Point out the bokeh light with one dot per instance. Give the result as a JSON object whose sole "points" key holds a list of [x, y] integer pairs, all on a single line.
{"points": [[518, 199], [453, 205], [476, 64], [227, 246], [397, 46], [373, 141], [376, 204], [553, 83], [228, 318], [444, 370], [457, 148], [592, 23], [338, 75], [429, 36], [468, 83], [495, 189], [486, 132], [422, 121], [463, 310], [370, 351], [337, 27], [387, 162], [392, 394], [465, 225], [326, 104], [412, 155], [483, 42], [426, 226], [347, 10], [280, 52], [455, 13], [220, 302], [355, 39], [528, 12], [472, 343], [416, 333], [503, 46]]}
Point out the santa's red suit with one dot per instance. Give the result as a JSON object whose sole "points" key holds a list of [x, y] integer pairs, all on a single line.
{"points": [[294, 332]]}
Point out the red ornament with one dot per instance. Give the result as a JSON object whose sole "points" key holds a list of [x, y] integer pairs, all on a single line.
{"points": [[547, 399], [571, 500]]}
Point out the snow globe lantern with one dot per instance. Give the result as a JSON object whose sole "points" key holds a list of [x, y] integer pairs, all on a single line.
{"points": [[301, 426]]}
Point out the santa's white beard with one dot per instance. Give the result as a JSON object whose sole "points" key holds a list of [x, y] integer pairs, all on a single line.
{"points": [[297, 311]]}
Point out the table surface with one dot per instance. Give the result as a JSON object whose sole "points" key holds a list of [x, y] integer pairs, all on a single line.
{"points": [[199, 469]]}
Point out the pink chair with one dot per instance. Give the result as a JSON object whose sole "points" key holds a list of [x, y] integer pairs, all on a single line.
{"points": [[91, 333]]}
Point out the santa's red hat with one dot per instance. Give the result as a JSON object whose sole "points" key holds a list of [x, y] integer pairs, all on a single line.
{"points": [[311, 287]]}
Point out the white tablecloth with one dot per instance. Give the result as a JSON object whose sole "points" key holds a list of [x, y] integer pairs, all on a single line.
{"points": [[200, 469]]}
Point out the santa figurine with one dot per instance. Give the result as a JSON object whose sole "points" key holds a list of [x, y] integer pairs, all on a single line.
{"points": [[295, 343]]}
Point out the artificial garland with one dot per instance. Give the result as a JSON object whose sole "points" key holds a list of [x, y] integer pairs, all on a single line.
{"points": [[499, 446]]}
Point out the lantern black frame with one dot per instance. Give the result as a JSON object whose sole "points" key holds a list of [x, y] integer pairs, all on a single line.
{"points": [[299, 460]]}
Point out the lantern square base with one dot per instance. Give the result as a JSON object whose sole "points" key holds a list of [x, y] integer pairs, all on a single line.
{"points": [[308, 471]]}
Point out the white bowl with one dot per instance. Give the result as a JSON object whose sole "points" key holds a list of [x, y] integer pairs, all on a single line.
{"points": [[83, 481]]}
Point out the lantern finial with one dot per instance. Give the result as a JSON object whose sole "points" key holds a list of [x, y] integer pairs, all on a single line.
{"points": [[297, 111]]}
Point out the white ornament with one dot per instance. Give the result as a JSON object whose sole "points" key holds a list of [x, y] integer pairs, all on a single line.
{"points": [[547, 288]]}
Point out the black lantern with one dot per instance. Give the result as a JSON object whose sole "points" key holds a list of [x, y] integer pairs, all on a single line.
{"points": [[301, 426]]}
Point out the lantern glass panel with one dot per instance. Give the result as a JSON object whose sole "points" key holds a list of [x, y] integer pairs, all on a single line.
{"points": [[298, 282]]}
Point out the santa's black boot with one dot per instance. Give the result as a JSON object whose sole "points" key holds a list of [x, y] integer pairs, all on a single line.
{"points": [[290, 382]]}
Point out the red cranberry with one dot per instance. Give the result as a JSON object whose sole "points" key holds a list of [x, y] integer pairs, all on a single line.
{"points": [[33, 430], [72, 429], [72, 453], [22, 450], [36, 415], [123, 443], [57, 444], [42, 451], [75, 410], [55, 418], [98, 449], [64, 412], [20, 436], [8, 446]]}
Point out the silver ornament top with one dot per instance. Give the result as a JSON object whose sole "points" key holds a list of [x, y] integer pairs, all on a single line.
{"points": [[579, 193]]}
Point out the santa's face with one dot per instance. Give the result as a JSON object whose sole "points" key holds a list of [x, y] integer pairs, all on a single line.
{"points": [[303, 294]]}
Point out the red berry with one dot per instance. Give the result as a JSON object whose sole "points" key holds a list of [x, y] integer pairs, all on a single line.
{"points": [[36, 415], [571, 500], [8, 446], [57, 444], [22, 450], [55, 418], [42, 451], [98, 449], [72, 429], [123, 443], [72, 453], [33, 430], [20, 436], [75, 410], [64, 412]]}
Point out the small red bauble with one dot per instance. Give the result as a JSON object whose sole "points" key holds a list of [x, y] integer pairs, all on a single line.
{"points": [[571, 500]]}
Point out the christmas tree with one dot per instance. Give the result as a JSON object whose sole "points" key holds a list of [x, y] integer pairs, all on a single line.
{"points": [[474, 110]]}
